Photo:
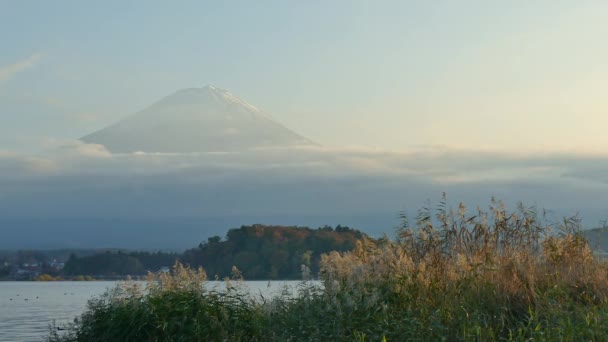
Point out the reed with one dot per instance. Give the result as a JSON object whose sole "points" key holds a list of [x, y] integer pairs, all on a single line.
{"points": [[454, 275]]}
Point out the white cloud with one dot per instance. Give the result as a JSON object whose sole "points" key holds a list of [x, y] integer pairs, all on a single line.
{"points": [[81, 149], [277, 181], [7, 72], [439, 166], [13, 166]]}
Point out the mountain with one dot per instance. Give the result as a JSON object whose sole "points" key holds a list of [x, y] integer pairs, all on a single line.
{"points": [[598, 239], [207, 119]]}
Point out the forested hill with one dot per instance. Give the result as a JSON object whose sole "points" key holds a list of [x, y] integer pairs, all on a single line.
{"points": [[258, 251], [270, 252]]}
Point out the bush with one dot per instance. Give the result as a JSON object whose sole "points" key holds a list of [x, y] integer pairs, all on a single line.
{"points": [[47, 277]]}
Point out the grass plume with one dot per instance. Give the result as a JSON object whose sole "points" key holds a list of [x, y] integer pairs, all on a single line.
{"points": [[454, 275]]}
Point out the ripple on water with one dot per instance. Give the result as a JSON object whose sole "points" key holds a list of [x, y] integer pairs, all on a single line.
{"points": [[27, 308]]}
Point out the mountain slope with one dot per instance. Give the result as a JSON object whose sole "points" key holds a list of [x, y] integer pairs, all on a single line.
{"points": [[598, 239], [207, 119]]}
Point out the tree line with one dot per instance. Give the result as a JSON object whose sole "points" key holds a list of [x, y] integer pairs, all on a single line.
{"points": [[258, 251]]}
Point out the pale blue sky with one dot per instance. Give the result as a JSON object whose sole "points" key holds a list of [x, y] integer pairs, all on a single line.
{"points": [[515, 75], [425, 83]]}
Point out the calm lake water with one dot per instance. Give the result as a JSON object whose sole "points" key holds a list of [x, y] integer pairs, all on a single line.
{"points": [[27, 308]]}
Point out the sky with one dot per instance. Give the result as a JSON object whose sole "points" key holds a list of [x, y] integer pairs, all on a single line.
{"points": [[517, 76], [406, 99]]}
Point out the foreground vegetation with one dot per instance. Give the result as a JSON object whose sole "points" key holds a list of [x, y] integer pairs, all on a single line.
{"points": [[493, 275]]}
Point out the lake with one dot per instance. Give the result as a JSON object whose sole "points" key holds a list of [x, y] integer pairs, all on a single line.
{"points": [[27, 308]]}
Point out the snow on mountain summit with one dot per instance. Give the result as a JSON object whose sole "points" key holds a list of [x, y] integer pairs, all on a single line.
{"points": [[207, 119]]}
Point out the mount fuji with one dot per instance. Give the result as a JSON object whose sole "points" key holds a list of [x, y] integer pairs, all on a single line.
{"points": [[207, 119]]}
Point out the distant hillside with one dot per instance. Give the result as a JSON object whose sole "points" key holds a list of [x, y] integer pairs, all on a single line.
{"points": [[598, 239], [270, 252], [118, 263]]}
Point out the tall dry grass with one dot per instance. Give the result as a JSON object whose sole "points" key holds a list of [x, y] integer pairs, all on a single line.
{"points": [[490, 274], [454, 275]]}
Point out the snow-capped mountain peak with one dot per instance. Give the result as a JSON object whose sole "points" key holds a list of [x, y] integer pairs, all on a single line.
{"points": [[196, 120]]}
